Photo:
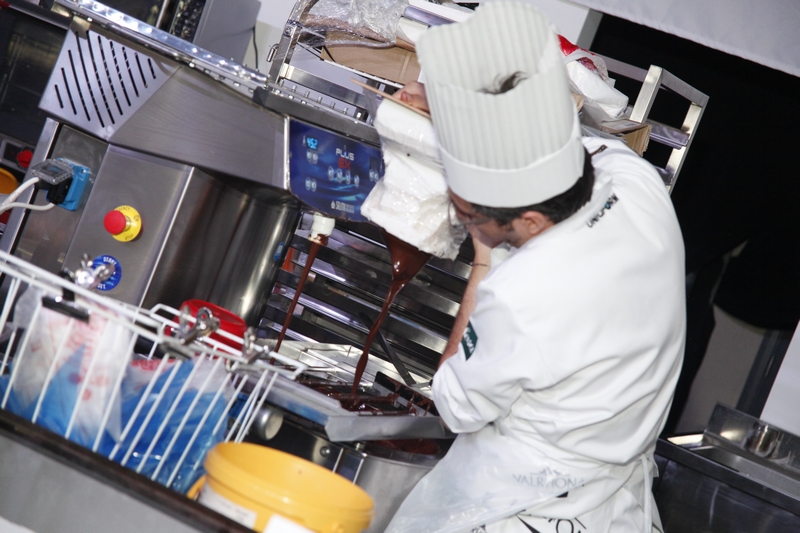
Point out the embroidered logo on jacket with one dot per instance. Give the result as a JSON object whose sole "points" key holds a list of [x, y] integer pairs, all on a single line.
{"points": [[609, 203], [469, 341]]}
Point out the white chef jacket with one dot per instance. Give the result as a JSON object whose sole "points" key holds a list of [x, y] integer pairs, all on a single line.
{"points": [[566, 372]]}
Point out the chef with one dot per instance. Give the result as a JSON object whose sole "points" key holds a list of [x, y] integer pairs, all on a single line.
{"points": [[562, 365]]}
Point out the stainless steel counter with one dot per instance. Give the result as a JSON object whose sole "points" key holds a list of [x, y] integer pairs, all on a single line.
{"points": [[722, 482], [51, 485]]}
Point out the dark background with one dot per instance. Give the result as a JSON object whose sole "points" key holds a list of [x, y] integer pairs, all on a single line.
{"points": [[739, 178], [739, 184]]}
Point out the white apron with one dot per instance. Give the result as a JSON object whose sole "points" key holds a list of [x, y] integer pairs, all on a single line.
{"points": [[474, 486]]}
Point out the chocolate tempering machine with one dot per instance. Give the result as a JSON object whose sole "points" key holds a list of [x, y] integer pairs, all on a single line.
{"points": [[223, 165]]}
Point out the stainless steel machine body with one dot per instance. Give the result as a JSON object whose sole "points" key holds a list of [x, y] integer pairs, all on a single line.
{"points": [[171, 130], [216, 179]]}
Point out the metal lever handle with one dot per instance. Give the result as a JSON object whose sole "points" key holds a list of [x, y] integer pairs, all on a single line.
{"points": [[205, 324], [393, 357], [271, 54], [89, 276]]}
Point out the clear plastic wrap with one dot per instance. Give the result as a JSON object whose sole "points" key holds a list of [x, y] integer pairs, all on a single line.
{"points": [[410, 201], [372, 19]]}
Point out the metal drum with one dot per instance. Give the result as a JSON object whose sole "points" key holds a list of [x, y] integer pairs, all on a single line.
{"points": [[386, 470]]}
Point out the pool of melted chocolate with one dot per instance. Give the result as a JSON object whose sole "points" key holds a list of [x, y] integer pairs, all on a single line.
{"points": [[399, 400]]}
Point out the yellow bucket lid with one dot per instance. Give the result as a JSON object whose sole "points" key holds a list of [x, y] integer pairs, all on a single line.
{"points": [[287, 484], [8, 183]]}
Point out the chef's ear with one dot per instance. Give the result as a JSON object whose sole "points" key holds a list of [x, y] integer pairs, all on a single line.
{"points": [[532, 223]]}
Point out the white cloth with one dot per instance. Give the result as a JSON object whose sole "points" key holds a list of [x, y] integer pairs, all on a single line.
{"points": [[576, 344], [621, 513]]}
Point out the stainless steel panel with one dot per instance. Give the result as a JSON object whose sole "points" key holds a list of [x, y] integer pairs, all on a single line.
{"points": [[235, 76], [755, 449], [226, 27], [255, 254], [698, 495], [751, 468], [46, 235], [97, 84], [135, 98], [49, 497], [202, 236], [51, 485], [153, 186], [196, 120]]}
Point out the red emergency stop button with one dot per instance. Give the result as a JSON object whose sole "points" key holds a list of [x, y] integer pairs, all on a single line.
{"points": [[24, 158], [115, 222], [124, 223]]}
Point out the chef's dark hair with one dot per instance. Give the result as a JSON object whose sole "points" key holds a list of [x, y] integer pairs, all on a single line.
{"points": [[558, 208]]}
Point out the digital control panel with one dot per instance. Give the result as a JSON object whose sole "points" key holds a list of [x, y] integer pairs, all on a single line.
{"points": [[331, 172]]}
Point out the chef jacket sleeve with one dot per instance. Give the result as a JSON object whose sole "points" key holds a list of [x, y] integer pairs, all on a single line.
{"points": [[474, 389]]}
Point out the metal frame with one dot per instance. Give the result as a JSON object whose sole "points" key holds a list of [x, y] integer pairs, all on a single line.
{"points": [[678, 138]]}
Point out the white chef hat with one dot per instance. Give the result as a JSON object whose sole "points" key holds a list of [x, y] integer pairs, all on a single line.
{"points": [[512, 149]]}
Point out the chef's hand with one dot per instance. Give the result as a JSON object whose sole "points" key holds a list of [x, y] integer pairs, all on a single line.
{"points": [[413, 93], [483, 246]]}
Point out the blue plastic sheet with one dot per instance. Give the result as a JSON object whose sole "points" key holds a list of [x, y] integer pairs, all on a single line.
{"points": [[61, 396]]}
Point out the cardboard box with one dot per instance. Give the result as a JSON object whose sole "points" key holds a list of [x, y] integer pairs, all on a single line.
{"points": [[635, 134], [394, 64]]}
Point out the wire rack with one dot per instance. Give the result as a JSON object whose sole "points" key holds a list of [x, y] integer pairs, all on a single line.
{"points": [[153, 389]]}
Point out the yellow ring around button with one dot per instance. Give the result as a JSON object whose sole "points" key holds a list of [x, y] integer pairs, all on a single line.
{"points": [[134, 224]]}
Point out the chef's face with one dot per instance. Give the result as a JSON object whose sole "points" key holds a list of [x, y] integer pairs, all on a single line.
{"points": [[487, 230]]}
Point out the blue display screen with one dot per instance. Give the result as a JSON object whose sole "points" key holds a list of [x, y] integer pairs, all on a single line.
{"points": [[330, 172]]}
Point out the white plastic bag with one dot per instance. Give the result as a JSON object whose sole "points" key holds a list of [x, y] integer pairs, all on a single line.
{"points": [[408, 131], [410, 201], [79, 363], [588, 76]]}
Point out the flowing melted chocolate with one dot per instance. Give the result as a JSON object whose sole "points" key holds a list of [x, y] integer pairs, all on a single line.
{"points": [[406, 262], [312, 254]]}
